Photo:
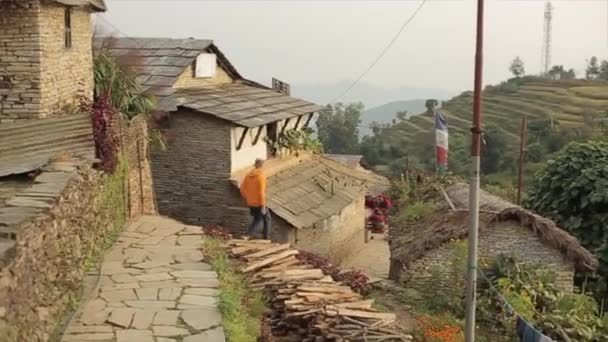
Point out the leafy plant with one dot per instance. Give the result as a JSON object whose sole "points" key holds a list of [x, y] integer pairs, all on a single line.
{"points": [[571, 190], [532, 294], [298, 140]]}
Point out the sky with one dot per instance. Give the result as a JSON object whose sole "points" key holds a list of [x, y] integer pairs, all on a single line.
{"points": [[323, 42]]}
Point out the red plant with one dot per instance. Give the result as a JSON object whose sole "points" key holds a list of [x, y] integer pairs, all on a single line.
{"points": [[436, 329], [356, 280], [217, 232], [106, 143]]}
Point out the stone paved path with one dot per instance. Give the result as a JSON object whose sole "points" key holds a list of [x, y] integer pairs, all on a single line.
{"points": [[153, 288], [373, 258]]}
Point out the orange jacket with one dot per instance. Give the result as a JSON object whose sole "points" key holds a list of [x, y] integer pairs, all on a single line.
{"points": [[253, 188]]}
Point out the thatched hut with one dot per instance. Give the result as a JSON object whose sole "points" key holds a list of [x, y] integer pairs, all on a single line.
{"points": [[505, 228]]}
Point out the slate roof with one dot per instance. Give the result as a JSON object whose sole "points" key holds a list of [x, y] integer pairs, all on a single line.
{"points": [[97, 5], [350, 160], [157, 62], [29, 145], [243, 104], [301, 190]]}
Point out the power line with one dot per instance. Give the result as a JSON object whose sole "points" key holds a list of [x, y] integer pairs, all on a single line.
{"points": [[382, 53]]}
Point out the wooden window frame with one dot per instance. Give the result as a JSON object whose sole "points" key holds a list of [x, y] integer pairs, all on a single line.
{"points": [[67, 29]]}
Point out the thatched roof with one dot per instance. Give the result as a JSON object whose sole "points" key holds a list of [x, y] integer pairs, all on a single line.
{"points": [[410, 243]]}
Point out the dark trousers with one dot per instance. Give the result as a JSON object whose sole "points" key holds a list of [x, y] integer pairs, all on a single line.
{"points": [[259, 217]]}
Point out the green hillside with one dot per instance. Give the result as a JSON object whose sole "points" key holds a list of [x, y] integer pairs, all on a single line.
{"points": [[566, 103], [557, 111]]}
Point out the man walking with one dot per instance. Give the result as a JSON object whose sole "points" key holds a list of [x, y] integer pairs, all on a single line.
{"points": [[253, 190]]}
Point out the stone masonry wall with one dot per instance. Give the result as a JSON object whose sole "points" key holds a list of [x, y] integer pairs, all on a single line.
{"points": [[20, 58], [38, 75], [187, 79], [334, 238], [44, 276], [135, 145], [505, 238], [66, 73], [191, 178]]}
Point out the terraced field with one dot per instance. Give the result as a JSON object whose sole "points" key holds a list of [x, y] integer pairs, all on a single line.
{"points": [[565, 102]]}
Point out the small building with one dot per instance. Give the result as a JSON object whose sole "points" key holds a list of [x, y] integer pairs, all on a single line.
{"points": [[219, 123], [316, 203], [46, 60], [504, 229]]}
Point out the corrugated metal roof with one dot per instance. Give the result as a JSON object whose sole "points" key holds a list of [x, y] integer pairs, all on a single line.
{"points": [[314, 190], [242, 104], [28, 145], [157, 62]]}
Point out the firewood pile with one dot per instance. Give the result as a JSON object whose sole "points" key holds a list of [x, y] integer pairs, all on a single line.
{"points": [[308, 305]]}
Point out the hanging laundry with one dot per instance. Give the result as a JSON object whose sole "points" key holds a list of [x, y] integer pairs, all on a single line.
{"points": [[527, 333]]}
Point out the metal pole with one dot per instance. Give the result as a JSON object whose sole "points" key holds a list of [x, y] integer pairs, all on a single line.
{"points": [[469, 331], [522, 157]]}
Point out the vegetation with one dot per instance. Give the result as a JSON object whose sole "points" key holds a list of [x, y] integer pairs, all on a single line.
{"points": [[532, 294], [119, 85], [517, 67], [338, 127], [298, 140], [242, 309], [571, 190]]}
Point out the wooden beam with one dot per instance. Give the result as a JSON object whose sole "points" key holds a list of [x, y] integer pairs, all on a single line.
{"points": [[257, 135], [298, 122], [242, 139], [285, 126], [309, 119]]}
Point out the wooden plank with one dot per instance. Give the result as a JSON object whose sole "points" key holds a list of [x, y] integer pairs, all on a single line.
{"points": [[269, 261], [242, 139], [268, 251], [362, 314]]}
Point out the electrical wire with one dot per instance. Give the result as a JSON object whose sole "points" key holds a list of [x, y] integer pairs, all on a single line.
{"points": [[382, 53]]}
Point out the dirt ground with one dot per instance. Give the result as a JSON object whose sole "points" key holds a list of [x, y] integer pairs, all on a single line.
{"points": [[373, 259]]}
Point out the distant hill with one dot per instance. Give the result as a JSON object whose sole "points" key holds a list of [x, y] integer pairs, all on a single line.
{"points": [[386, 112], [371, 95], [565, 102]]}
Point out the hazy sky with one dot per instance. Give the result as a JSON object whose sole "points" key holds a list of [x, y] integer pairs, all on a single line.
{"points": [[304, 42]]}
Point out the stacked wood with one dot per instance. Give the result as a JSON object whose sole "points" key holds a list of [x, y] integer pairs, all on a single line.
{"points": [[308, 305]]}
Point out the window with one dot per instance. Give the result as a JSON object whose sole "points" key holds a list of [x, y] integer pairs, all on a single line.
{"points": [[68, 28]]}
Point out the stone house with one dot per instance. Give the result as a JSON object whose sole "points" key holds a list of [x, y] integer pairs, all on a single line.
{"points": [[219, 123], [46, 60], [427, 246], [317, 204]]}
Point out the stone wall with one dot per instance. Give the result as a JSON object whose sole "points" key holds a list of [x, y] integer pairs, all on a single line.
{"points": [[38, 75], [191, 178], [505, 238], [66, 72], [43, 277], [135, 145], [187, 79], [20, 59], [334, 238]]}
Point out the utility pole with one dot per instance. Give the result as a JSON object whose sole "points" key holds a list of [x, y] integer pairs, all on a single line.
{"points": [[469, 332], [522, 157]]}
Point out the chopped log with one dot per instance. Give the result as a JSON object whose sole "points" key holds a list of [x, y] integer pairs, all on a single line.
{"points": [[364, 304], [363, 314], [269, 260]]}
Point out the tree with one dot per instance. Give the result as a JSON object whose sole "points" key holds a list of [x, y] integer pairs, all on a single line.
{"points": [[603, 74], [431, 105], [338, 127], [571, 190], [517, 67], [402, 115], [494, 148], [593, 70], [556, 72]]}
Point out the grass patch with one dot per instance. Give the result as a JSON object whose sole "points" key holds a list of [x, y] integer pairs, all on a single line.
{"points": [[242, 308]]}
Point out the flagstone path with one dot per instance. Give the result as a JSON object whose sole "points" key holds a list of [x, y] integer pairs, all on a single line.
{"points": [[153, 287]]}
